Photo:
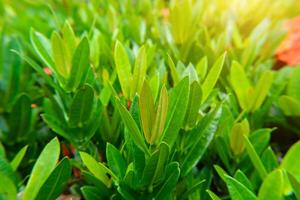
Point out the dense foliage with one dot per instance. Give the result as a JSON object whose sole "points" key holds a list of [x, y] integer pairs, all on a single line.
{"points": [[147, 99]]}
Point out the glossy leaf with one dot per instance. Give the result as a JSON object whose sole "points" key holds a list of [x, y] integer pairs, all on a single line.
{"points": [[147, 110], [42, 47], [61, 55], [261, 90], [132, 127], [161, 116], [115, 161], [256, 161], [238, 191], [178, 101], [172, 175], [80, 65], [18, 158], [193, 107], [97, 169], [290, 164], [212, 77], [42, 169], [123, 68], [202, 134], [272, 187], [56, 182]]}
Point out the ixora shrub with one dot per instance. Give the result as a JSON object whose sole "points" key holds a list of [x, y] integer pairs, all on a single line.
{"points": [[147, 99]]}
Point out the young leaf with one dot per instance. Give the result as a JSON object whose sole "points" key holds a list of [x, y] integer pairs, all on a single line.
{"points": [[212, 195], [61, 55], [176, 111], [272, 187], [240, 84], [256, 161], [123, 68], [18, 158], [201, 68], [290, 164], [42, 47], [289, 105], [42, 169], [8, 190], [139, 73], [212, 77], [242, 178], [261, 90], [146, 105], [132, 127], [193, 107], [295, 185], [160, 117], [115, 161], [236, 138], [238, 191], [56, 182], [96, 168], [82, 105], [80, 65]]}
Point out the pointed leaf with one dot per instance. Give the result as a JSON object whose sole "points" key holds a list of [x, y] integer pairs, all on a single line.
{"points": [[42, 169]]}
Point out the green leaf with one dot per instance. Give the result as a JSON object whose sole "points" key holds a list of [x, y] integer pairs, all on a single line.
{"points": [[115, 161], [123, 68], [61, 55], [91, 193], [240, 84], [293, 88], [57, 126], [290, 163], [256, 161], [8, 190], [173, 71], [97, 169], [147, 110], [69, 37], [269, 159], [295, 185], [19, 120], [172, 175], [272, 187], [289, 105], [42, 47], [42, 169], [132, 127], [7, 170], [150, 168], [221, 172], [193, 107], [139, 73], [80, 65], [18, 158], [160, 117], [56, 182], [212, 195], [201, 68], [202, 136], [81, 106], [242, 178], [261, 90], [176, 111], [238, 191], [212, 77]]}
